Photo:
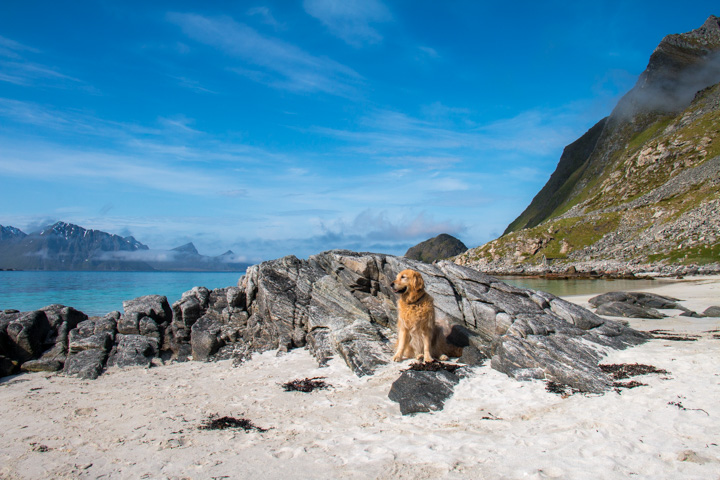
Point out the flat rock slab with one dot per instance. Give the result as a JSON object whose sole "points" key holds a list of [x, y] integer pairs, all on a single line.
{"points": [[423, 391], [636, 305]]}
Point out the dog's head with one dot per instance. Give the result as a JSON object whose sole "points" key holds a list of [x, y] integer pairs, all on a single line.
{"points": [[408, 281]]}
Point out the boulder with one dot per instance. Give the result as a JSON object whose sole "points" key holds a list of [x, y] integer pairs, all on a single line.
{"points": [[153, 306], [27, 335], [206, 338], [713, 311], [88, 346], [423, 391], [629, 310], [637, 305], [133, 350], [42, 365], [87, 364], [650, 300], [8, 366]]}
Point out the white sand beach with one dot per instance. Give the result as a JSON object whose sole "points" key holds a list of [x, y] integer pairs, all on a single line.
{"points": [[144, 423]]}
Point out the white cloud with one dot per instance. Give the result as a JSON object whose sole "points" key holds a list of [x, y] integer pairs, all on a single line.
{"points": [[285, 65], [350, 20]]}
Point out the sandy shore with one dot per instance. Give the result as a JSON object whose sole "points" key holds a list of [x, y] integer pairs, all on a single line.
{"points": [[144, 423]]}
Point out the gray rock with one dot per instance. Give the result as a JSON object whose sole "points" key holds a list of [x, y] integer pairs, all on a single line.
{"points": [[8, 366], [88, 346], [422, 391], [637, 298], [713, 311], [133, 350], [27, 335], [42, 366], [153, 306], [340, 303], [629, 310], [86, 364], [206, 341]]}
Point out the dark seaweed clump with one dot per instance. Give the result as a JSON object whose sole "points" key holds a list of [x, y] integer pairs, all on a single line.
{"points": [[622, 371], [667, 335], [433, 366], [560, 389], [223, 423], [307, 385]]}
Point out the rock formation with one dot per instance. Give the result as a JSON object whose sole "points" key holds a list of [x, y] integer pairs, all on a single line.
{"points": [[441, 247], [336, 303]]}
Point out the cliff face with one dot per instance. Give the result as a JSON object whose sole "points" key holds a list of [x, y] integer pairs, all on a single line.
{"points": [[641, 187]]}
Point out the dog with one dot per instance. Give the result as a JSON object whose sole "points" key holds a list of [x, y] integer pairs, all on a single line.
{"points": [[419, 336]]}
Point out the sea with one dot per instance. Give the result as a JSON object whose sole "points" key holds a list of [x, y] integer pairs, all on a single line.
{"points": [[98, 293]]}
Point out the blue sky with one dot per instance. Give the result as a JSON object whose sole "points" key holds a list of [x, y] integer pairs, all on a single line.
{"points": [[278, 127]]}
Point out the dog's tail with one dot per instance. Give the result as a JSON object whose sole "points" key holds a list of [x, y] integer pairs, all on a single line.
{"points": [[442, 332]]}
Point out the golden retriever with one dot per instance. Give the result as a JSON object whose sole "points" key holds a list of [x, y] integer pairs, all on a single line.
{"points": [[419, 336]]}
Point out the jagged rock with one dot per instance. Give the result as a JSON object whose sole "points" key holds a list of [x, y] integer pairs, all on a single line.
{"points": [[38, 338], [422, 391], [206, 339], [638, 298], [87, 364], [153, 306], [42, 365], [133, 350], [713, 311], [339, 303], [628, 310], [26, 335], [88, 346], [636, 305], [8, 366]]}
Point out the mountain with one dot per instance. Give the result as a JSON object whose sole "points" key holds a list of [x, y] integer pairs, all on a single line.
{"points": [[642, 186], [438, 248], [64, 246]]}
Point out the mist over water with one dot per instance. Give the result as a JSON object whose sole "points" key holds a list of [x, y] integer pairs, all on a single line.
{"points": [[98, 293]]}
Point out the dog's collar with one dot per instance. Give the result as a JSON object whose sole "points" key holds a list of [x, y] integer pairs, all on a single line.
{"points": [[418, 299]]}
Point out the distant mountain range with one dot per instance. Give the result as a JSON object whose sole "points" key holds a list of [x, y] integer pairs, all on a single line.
{"points": [[64, 246], [642, 186]]}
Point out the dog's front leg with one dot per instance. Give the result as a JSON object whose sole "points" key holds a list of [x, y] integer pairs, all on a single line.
{"points": [[427, 341], [402, 343]]}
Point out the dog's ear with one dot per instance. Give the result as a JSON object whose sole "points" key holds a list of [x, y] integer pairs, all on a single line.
{"points": [[417, 282]]}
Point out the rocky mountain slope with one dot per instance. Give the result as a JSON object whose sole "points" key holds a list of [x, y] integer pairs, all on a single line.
{"points": [[64, 246], [641, 189], [437, 248]]}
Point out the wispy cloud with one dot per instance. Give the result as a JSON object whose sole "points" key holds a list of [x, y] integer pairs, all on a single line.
{"points": [[15, 68], [286, 66], [265, 16], [350, 20], [54, 163]]}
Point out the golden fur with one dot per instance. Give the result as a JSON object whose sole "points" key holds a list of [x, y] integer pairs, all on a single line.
{"points": [[419, 336]]}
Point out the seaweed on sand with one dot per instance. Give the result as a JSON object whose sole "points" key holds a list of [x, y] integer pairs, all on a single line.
{"points": [[560, 389], [621, 371], [222, 423], [668, 335], [433, 366], [306, 385]]}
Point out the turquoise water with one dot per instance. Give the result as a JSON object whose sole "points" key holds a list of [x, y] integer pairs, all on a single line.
{"points": [[582, 286], [97, 293]]}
